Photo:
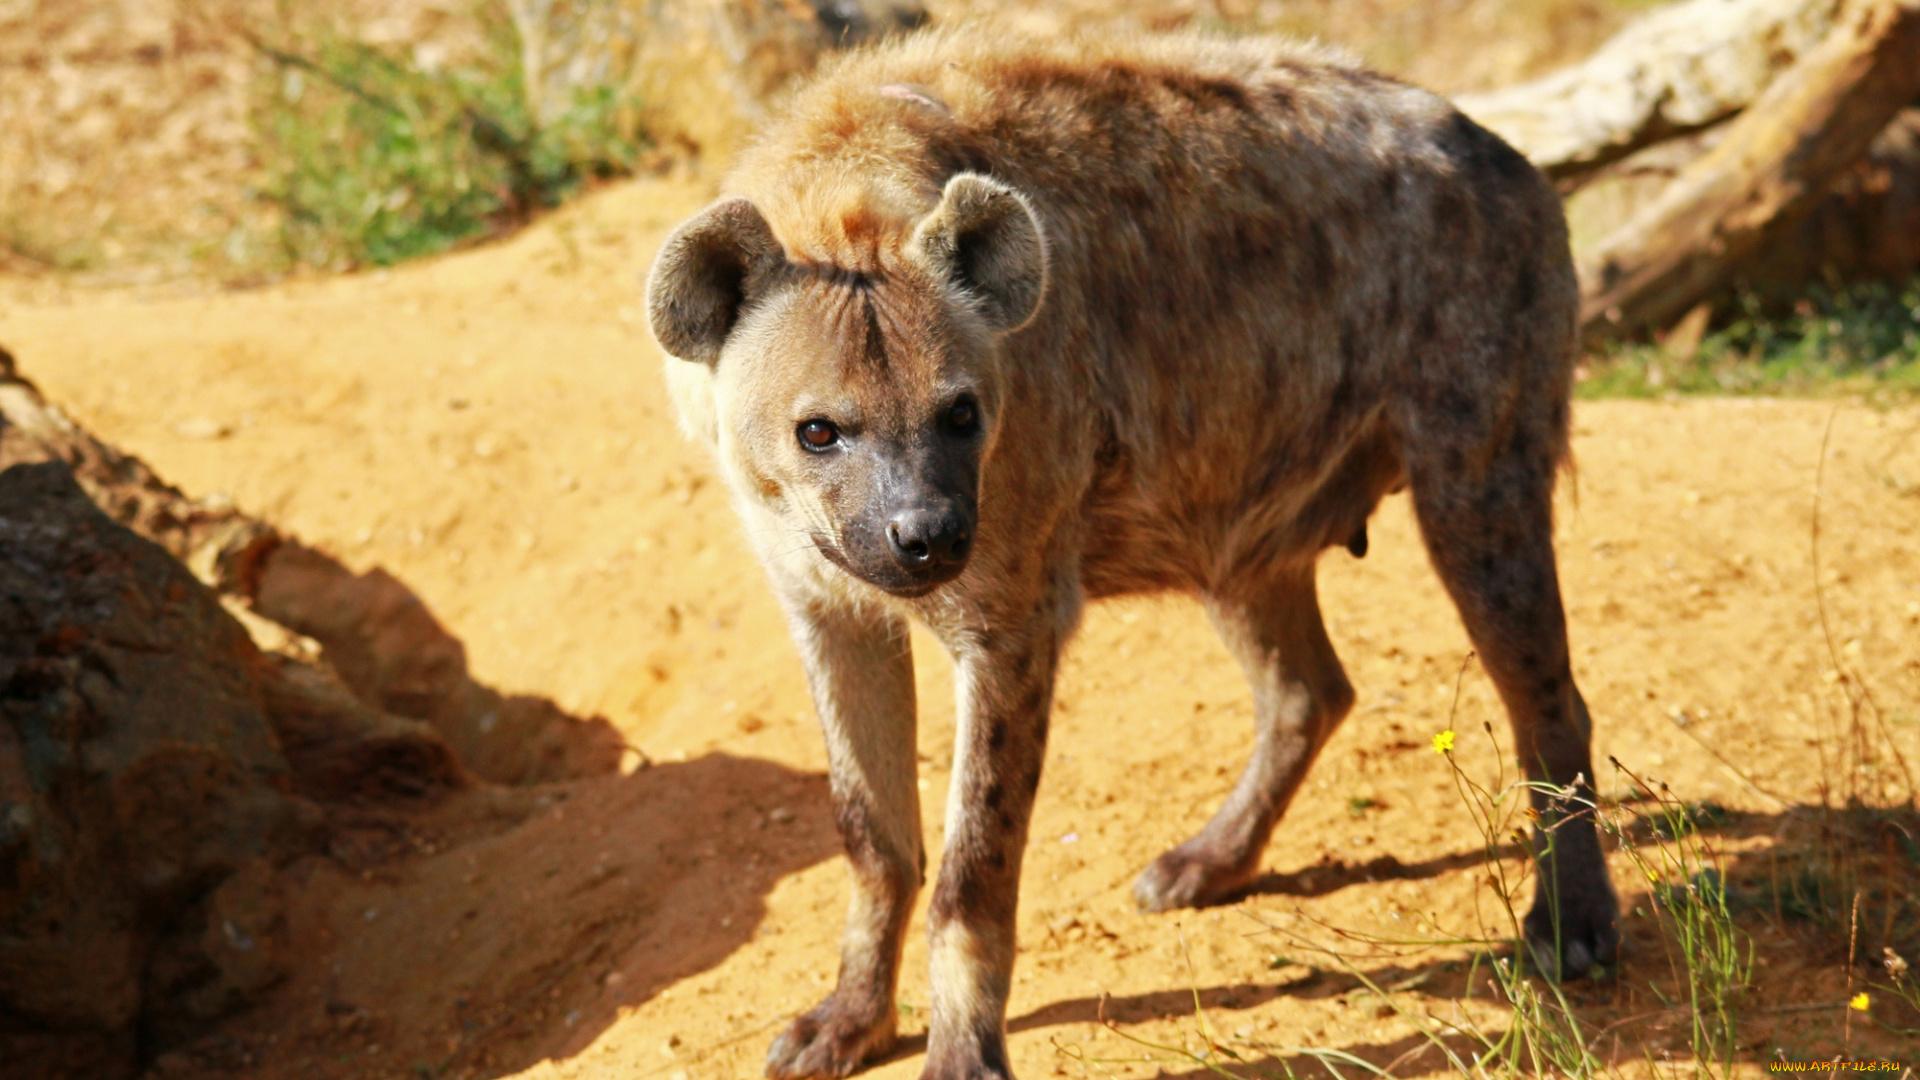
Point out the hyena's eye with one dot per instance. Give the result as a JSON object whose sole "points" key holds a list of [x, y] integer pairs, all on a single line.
{"points": [[818, 434], [963, 415]]}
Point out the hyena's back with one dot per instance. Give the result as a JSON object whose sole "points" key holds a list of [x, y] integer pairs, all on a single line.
{"points": [[1277, 283]]}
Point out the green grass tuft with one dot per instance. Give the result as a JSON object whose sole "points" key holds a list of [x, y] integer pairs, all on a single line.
{"points": [[1857, 339], [373, 159]]}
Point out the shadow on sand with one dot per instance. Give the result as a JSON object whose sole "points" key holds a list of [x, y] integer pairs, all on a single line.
{"points": [[507, 926], [1793, 1004]]}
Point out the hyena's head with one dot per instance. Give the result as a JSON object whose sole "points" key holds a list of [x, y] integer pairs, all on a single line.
{"points": [[853, 390]]}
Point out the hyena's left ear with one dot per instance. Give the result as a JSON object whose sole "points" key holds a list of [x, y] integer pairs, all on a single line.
{"points": [[985, 238], [705, 273]]}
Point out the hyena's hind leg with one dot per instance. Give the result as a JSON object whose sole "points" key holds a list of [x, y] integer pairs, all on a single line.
{"points": [[1300, 695], [1486, 512]]}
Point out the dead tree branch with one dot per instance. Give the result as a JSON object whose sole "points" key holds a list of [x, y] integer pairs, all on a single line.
{"points": [[1775, 162]]}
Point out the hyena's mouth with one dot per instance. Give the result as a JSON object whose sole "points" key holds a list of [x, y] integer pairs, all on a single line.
{"points": [[886, 574]]}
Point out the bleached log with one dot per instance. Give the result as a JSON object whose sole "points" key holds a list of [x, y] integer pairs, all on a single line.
{"points": [[1771, 167], [1679, 69]]}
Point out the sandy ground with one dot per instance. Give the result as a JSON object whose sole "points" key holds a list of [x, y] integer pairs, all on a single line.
{"points": [[492, 428]]}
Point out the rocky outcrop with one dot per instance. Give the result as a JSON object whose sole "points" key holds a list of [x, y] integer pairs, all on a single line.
{"points": [[157, 766], [154, 766], [372, 633]]}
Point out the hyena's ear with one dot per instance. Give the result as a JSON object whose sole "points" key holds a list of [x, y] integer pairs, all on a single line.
{"points": [[985, 238], [704, 274]]}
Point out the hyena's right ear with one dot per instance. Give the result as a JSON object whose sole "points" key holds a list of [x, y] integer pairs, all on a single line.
{"points": [[704, 273], [985, 238]]}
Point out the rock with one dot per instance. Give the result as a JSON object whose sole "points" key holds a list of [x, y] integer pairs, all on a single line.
{"points": [[218, 541], [373, 632], [154, 767], [143, 766], [203, 427]]}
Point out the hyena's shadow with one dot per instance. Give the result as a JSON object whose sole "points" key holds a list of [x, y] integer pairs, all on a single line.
{"points": [[1331, 875], [1413, 1052], [1320, 879], [1220, 1003]]}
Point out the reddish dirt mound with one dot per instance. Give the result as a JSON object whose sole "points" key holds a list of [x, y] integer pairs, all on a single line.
{"points": [[491, 429]]}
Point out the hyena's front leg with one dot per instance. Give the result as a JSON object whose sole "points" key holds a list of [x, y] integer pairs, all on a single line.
{"points": [[860, 668], [1005, 694]]}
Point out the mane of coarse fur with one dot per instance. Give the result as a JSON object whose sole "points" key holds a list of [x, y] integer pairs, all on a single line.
{"points": [[846, 172]]}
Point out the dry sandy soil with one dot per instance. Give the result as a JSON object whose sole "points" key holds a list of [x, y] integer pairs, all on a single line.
{"points": [[492, 428]]}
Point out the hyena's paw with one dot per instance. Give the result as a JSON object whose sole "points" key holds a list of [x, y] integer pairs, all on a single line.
{"points": [[1191, 876], [1588, 934], [971, 1060], [832, 1040]]}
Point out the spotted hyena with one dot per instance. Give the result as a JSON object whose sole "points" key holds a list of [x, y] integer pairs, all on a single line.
{"points": [[985, 329]]}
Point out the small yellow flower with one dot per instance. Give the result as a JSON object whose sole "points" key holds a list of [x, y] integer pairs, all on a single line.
{"points": [[1860, 1002], [1443, 742]]}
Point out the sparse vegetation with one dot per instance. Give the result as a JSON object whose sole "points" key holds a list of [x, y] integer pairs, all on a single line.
{"points": [[1858, 864], [1534, 1027], [1709, 958], [26, 242], [374, 158], [1855, 339], [1858, 867]]}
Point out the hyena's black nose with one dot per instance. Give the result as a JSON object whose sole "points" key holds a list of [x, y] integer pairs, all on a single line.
{"points": [[925, 537]]}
